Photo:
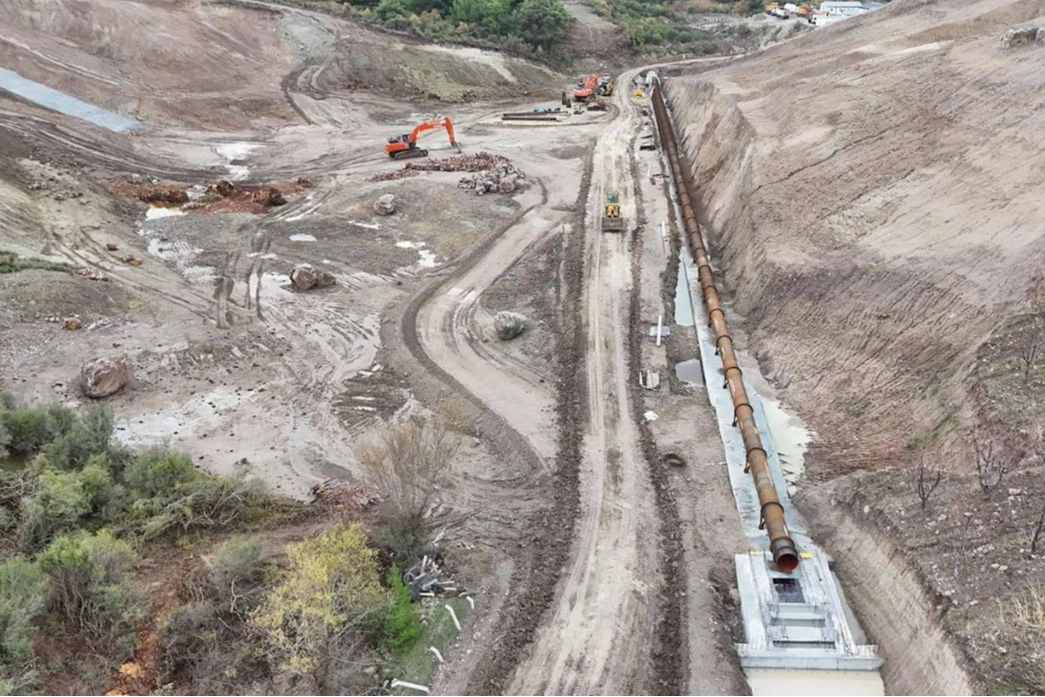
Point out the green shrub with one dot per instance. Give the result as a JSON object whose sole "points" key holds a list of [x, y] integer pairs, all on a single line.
{"points": [[203, 502], [158, 471], [85, 437], [401, 626], [57, 504], [90, 588], [22, 588], [31, 428], [237, 573]]}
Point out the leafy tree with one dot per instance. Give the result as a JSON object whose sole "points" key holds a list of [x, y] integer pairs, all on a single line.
{"points": [[388, 9], [314, 612], [542, 22]]}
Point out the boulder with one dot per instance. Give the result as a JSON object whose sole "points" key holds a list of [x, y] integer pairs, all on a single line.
{"points": [[102, 377], [1021, 36], [507, 185], [303, 277], [509, 325], [385, 205]]}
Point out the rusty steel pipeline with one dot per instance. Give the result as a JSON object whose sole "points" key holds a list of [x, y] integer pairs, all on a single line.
{"points": [[785, 554]]}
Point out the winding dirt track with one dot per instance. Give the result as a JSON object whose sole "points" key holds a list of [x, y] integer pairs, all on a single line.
{"points": [[602, 618], [599, 625]]}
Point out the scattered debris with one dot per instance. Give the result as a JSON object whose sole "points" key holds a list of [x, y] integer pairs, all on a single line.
{"points": [[223, 188], [268, 196], [163, 194], [385, 204], [102, 377], [343, 495], [112, 246], [132, 260], [650, 379], [92, 274], [650, 416], [394, 175], [72, 323], [509, 325]]}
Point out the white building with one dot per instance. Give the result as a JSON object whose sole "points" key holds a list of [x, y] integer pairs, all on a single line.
{"points": [[834, 10]]}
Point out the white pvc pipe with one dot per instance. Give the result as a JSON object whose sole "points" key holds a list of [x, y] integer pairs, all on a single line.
{"points": [[410, 686], [453, 616]]}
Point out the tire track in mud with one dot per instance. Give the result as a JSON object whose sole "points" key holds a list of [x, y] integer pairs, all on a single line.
{"points": [[671, 641], [534, 578]]}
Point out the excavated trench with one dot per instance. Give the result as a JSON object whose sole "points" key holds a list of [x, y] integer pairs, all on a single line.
{"points": [[884, 590]]}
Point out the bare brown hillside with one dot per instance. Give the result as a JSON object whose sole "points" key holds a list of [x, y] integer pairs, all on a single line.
{"points": [[873, 192]]}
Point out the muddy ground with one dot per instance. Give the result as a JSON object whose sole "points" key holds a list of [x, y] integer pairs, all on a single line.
{"points": [[234, 365]]}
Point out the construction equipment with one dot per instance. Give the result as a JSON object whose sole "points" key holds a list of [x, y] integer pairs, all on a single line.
{"points": [[586, 88], [605, 86], [405, 146], [611, 220]]}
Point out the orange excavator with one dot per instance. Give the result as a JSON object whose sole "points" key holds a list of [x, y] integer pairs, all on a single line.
{"points": [[586, 89], [405, 146]]}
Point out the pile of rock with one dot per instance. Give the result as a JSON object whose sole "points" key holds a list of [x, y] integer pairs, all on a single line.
{"points": [[501, 178], [458, 163], [305, 277]]}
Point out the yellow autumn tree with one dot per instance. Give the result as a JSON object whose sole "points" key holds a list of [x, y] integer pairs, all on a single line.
{"points": [[313, 613]]}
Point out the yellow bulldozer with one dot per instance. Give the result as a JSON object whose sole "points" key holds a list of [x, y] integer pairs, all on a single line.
{"points": [[611, 220]]}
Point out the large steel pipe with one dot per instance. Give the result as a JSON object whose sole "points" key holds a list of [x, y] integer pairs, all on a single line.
{"points": [[785, 554]]}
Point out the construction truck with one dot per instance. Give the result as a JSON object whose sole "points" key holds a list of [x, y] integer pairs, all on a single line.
{"points": [[605, 86], [611, 220], [405, 146]]}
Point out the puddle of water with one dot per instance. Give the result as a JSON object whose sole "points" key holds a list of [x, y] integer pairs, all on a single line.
{"points": [[690, 371], [790, 436], [179, 422], [683, 302], [62, 102], [830, 683], [156, 212], [231, 152], [427, 256], [302, 237]]}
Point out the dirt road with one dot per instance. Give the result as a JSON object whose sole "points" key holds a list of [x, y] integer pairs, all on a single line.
{"points": [[601, 617]]}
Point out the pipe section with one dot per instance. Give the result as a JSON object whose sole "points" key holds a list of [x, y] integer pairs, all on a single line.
{"points": [[785, 554]]}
